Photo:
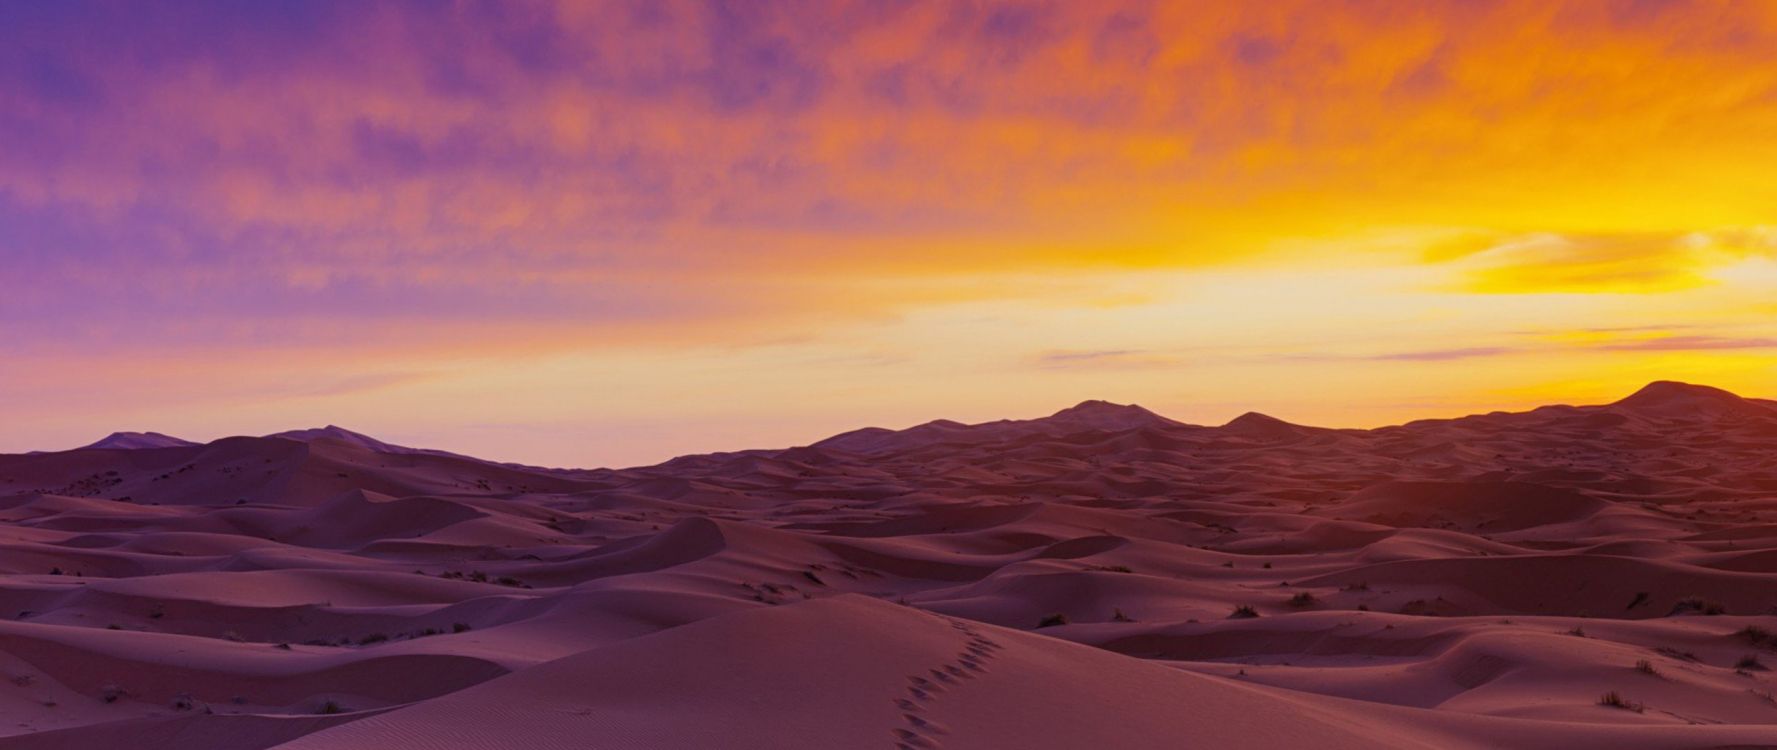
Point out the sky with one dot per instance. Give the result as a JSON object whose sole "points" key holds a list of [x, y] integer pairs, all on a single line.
{"points": [[608, 233]]}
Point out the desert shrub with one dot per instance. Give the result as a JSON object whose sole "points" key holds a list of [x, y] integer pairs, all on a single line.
{"points": [[1052, 621], [1303, 599], [1243, 612], [1676, 654], [1646, 667], [1615, 699], [1699, 606], [1750, 662]]}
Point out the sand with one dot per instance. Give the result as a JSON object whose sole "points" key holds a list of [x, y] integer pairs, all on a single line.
{"points": [[1104, 577]]}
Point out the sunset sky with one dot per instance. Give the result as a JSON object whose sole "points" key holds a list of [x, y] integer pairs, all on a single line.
{"points": [[609, 233]]}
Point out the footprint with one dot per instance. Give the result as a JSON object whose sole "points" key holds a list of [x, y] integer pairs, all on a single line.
{"points": [[910, 738], [925, 684], [925, 689], [923, 725]]}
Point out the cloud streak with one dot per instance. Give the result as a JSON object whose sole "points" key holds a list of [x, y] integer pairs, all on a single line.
{"points": [[1619, 262]]}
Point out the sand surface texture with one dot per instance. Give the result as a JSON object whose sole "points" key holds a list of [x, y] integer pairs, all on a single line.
{"points": [[1101, 578]]}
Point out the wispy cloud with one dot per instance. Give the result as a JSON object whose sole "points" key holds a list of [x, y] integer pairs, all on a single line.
{"points": [[1613, 343], [1615, 262], [1107, 359], [1690, 344]]}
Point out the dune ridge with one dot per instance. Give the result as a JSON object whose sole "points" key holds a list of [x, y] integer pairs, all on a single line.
{"points": [[1104, 576]]}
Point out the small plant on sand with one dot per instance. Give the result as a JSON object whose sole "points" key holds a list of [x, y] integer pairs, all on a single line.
{"points": [[1112, 568], [1243, 612], [111, 693], [373, 638], [1615, 699], [1303, 599], [459, 627], [1698, 605], [1646, 667], [1676, 654], [1577, 631], [1751, 663], [1754, 635], [331, 707], [1052, 621], [1118, 616]]}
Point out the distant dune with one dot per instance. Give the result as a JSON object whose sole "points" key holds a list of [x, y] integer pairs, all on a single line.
{"points": [[137, 441], [1573, 576]]}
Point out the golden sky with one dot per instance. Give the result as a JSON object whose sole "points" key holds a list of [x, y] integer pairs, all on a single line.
{"points": [[608, 233]]}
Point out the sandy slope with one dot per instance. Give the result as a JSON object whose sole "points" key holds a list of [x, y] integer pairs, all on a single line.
{"points": [[1062, 582]]}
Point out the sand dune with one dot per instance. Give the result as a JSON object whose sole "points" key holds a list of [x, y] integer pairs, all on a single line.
{"points": [[1103, 577]]}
